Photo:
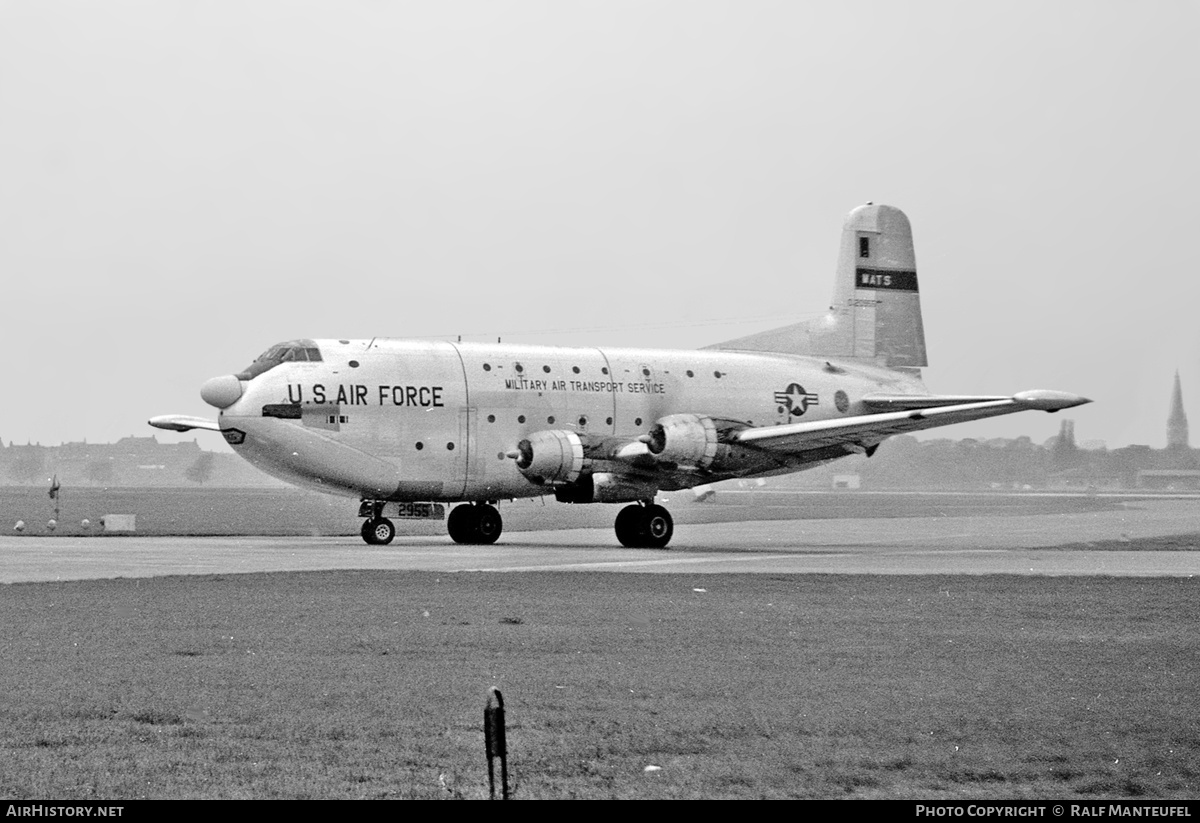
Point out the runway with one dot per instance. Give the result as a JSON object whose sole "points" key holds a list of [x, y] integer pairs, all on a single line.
{"points": [[1001, 544]]}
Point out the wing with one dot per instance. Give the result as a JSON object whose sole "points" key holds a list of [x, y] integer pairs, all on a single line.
{"points": [[183, 423], [898, 414]]}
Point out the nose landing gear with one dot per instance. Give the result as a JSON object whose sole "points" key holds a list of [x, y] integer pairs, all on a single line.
{"points": [[378, 531], [647, 526]]}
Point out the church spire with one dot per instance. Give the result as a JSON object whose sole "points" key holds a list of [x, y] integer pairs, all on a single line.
{"points": [[1177, 425]]}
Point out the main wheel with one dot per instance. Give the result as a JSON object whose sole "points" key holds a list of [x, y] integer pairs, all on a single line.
{"points": [[461, 524], [657, 527], [488, 525], [378, 531], [628, 526]]}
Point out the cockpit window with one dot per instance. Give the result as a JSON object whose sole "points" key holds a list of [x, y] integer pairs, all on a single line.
{"points": [[291, 352]]}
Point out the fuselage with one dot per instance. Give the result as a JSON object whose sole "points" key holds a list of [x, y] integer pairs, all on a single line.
{"points": [[389, 419]]}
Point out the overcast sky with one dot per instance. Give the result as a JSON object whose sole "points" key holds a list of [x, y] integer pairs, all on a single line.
{"points": [[183, 184]]}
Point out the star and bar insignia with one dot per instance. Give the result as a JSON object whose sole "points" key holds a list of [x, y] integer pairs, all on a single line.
{"points": [[796, 399]]}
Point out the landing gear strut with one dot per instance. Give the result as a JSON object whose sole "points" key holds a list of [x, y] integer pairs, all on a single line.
{"points": [[475, 524], [644, 526]]}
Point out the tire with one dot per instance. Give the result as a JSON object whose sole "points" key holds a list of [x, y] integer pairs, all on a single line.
{"points": [[628, 526], [488, 525], [378, 531], [461, 524], [657, 527]]}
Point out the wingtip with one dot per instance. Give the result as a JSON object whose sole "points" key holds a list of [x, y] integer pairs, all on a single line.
{"points": [[1048, 400]]}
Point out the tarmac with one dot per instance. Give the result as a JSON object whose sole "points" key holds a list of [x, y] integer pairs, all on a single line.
{"points": [[1026, 544]]}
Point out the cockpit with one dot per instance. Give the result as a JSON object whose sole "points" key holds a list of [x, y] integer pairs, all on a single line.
{"points": [[293, 351]]}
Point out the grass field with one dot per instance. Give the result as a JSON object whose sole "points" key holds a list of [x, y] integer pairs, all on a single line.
{"points": [[372, 685]]}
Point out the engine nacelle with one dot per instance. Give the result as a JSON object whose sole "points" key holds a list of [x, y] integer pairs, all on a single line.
{"points": [[686, 439], [552, 456]]}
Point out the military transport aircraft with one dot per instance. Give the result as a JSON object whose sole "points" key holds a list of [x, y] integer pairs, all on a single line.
{"points": [[409, 425]]}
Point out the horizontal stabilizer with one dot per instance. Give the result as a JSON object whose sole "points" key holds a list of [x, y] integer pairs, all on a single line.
{"points": [[183, 423]]}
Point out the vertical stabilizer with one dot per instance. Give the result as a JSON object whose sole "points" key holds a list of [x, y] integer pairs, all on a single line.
{"points": [[875, 314]]}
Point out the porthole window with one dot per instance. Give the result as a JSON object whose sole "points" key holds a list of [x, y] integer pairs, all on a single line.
{"points": [[604, 370], [450, 447], [550, 419], [690, 373], [420, 445], [487, 366], [491, 418], [519, 367], [521, 418], [546, 369], [575, 369], [582, 421], [637, 422], [717, 375], [645, 372], [354, 364], [608, 421]]}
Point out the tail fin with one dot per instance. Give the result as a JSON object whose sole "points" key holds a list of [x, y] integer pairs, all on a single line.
{"points": [[876, 311]]}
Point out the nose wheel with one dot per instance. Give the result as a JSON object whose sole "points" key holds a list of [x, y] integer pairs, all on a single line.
{"points": [[378, 531], [644, 527], [475, 524]]}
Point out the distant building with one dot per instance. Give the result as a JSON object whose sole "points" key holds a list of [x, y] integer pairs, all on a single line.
{"points": [[1177, 425], [1178, 454]]}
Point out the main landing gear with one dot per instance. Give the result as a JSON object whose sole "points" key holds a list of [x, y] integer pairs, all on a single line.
{"points": [[644, 526], [475, 523]]}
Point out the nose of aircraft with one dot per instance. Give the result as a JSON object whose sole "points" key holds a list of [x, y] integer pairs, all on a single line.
{"points": [[222, 391]]}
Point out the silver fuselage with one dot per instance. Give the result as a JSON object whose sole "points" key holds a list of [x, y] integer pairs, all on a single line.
{"points": [[430, 420]]}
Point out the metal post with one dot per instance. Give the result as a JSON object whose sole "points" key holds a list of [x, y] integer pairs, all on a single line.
{"points": [[494, 740]]}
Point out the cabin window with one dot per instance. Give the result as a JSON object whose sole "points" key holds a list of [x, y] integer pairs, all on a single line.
{"points": [[864, 247], [575, 369], [491, 418], [690, 373], [546, 369], [521, 418], [487, 366], [449, 447], [420, 445], [550, 419]]}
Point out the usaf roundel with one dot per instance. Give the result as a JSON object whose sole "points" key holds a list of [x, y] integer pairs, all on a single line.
{"points": [[796, 399]]}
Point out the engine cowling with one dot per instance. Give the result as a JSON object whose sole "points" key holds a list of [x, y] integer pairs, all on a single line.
{"points": [[552, 456], [687, 439]]}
